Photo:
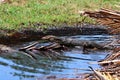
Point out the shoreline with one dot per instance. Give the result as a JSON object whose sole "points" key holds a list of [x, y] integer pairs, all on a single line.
{"points": [[32, 34]]}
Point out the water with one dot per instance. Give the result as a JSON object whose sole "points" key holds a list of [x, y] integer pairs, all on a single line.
{"points": [[24, 68]]}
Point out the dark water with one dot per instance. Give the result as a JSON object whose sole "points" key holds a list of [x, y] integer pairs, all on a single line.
{"points": [[24, 68]]}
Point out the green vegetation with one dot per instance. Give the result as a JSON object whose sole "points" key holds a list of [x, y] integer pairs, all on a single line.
{"points": [[25, 13]]}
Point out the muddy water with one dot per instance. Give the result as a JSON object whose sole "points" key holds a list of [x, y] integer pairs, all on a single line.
{"points": [[24, 68]]}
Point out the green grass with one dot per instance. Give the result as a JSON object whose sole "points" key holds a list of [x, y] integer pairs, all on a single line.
{"points": [[24, 13]]}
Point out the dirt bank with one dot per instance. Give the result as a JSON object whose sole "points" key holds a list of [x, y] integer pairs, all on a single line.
{"points": [[8, 37]]}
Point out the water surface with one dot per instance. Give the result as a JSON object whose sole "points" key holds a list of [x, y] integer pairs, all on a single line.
{"points": [[24, 68]]}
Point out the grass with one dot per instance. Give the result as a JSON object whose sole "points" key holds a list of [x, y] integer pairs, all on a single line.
{"points": [[25, 13]]}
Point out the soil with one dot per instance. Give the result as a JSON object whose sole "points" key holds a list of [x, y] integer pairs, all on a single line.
{"points": [[25, 35]]}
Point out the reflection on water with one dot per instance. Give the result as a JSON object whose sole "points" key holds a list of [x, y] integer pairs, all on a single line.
{"points": [[24, 68]]}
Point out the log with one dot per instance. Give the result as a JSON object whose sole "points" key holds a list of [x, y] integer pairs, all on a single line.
{"points": [[73, 42]]}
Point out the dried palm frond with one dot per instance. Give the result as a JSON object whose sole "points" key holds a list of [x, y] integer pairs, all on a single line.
{"points": [[103, 75]]}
